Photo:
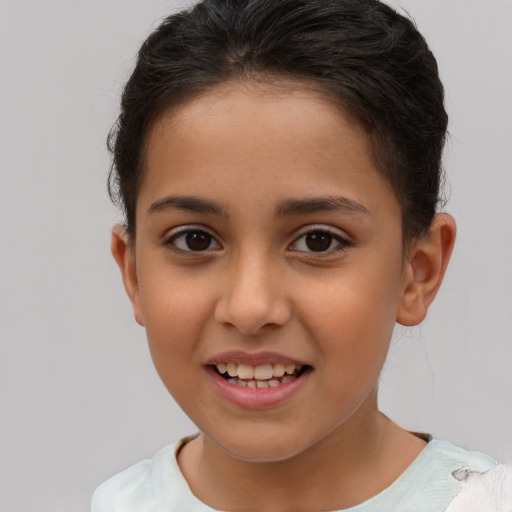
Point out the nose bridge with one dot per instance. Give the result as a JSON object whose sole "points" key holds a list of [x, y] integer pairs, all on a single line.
{"points": [[253, 293]]}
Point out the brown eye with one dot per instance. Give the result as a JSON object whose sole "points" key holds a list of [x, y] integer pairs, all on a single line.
{"points": [[198, 240], [193, 240], [321, 241], [318, 241]]}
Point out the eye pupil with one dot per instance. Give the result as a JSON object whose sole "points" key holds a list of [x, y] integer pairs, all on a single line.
{"points": [[318, 241], [198, 240]]}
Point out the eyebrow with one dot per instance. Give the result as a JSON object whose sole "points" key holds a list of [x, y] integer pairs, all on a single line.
{"points": [[320, 204], [284, 208], [187, 203]]}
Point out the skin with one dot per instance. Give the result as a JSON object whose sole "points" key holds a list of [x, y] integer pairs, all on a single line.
{"points": [[248, 150]]}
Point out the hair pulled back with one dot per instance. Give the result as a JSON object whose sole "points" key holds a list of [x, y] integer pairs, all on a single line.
{"points": [[361, 52]]}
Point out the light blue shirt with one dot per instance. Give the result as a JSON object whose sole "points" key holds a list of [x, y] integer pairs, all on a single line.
{"points": [[157, 484]]}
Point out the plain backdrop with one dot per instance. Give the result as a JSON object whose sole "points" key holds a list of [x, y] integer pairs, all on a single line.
{"points": [[79, 398]]}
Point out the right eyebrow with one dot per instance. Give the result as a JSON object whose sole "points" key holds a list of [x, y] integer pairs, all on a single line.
{"points": [[187, 203]]}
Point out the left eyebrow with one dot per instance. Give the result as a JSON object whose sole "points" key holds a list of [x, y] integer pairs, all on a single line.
{"points": [[187, 203], [320, 204]]}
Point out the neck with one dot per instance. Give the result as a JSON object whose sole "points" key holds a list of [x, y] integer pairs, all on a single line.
{"points": [[353, 463]]}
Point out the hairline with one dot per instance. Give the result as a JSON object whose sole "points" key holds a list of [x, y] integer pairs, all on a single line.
{"points": [[266, 82]]}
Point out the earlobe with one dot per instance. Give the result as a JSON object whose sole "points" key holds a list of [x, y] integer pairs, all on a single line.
{"points": [[424, 270], [123, 253]]}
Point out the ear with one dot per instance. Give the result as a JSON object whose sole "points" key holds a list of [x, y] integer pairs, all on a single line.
{"points": [[426, 263], [124, 254]]}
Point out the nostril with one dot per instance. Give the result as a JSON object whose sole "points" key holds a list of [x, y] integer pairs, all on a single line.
{"points": [[250, 315]]}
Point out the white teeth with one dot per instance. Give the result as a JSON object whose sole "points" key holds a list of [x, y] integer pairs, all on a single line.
{"points": [[232, 369], [278, 370], [289, 368], [260, 383], [264, 375], [245, 371], [263, 372]]}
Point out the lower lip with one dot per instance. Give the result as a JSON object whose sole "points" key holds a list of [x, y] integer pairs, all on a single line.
{"points": [[256, 398]]}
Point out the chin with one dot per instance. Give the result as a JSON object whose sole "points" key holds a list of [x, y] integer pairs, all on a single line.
{"points": [[261, 447]]}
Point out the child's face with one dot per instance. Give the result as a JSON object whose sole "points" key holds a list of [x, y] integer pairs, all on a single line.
{"points": [[265, 235]]}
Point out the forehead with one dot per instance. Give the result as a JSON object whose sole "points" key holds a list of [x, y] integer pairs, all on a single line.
{"points": [[241, 135], [240, 108]]}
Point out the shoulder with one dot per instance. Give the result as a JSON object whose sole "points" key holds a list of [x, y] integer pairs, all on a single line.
{"points": [[428, 485], [150, 485], [488, 491], [450, 457], [433, 469], [474, 482], [116, 491], [133, 488]]}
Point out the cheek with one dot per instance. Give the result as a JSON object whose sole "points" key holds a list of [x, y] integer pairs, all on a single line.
{"points": [[352, 301], [353, 341], [175, 315], [173, 303], [351, 318]]}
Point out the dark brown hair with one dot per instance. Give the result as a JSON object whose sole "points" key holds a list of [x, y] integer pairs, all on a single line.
{"points": [[362, 53]]}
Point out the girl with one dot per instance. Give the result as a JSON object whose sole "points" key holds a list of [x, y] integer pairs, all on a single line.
{"points": [[278, 164]]}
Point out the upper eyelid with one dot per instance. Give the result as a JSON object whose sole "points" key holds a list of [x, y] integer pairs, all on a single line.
{"points": [[178, 230], [173, 234], [309, 228], [343, 239], [304, 230]]}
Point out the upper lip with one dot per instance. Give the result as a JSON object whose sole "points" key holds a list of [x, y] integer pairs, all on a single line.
{"points": [[252, 358]]}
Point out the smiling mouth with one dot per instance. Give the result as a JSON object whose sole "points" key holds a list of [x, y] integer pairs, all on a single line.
{"points": [[261, 376]]}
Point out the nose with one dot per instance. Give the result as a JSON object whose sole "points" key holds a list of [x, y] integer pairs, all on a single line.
{"points": [[253, 296]]}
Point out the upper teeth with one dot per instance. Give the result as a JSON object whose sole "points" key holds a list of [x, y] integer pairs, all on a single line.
{"points": [[260, 372]]}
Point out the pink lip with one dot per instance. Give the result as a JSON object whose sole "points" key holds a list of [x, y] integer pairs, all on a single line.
{"points": [[254, 359], [258, 398]]}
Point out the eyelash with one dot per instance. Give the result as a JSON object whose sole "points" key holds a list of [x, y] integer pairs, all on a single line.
{"points": [[334, 236], [185, 231]]}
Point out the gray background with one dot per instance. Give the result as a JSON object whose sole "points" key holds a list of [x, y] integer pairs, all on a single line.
{"points": [[79, 397]]}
